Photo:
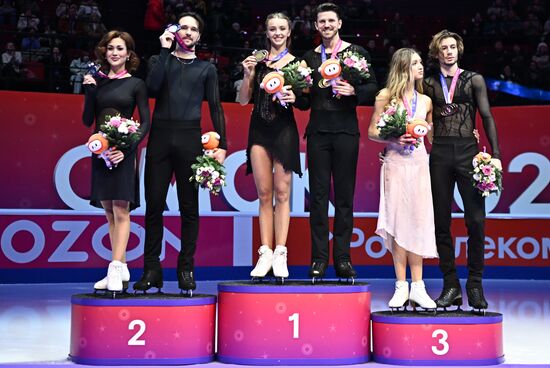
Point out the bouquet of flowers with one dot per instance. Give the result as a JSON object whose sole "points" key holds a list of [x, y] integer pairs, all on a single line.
{"points": [[393, 123], [297, 76], [354, 67], [120, 132], [208, 172], [486, 177]]}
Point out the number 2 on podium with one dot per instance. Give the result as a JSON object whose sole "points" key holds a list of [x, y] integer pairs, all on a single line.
{"points": [[295, 319], [135, 339]]}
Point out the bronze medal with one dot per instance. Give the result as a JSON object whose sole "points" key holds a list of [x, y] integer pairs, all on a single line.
{"points": [[260, 55], [449, 109]]}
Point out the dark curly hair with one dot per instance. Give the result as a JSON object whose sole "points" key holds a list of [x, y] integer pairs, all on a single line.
{"points": [[101, 50]]}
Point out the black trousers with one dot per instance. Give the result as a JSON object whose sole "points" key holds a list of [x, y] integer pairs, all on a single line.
{"points": [[450, 162], [331, 155], [171, 150]]}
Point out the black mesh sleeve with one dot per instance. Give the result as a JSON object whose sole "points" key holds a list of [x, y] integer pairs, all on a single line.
{"points": [[489, 125]]}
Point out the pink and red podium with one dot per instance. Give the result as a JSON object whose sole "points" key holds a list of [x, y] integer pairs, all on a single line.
{"points": [[148, 329], [293, 324], [447, 338]]}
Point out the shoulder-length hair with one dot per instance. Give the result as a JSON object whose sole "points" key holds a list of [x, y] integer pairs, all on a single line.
{"points": [[101, 50], [400, 73], [435, 44]]}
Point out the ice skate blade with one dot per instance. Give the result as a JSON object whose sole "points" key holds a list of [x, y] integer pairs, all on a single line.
{"points": [[187, 293]]}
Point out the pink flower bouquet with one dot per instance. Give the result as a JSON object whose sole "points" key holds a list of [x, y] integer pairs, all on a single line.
{"points": [[120, 132], [486, 177]]}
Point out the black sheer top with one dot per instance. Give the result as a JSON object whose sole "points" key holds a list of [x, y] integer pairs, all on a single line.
{"points": [[180, 86], [112, 96], [337, 115], [470, 95]]}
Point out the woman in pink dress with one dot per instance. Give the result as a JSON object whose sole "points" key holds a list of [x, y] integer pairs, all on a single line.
{"points": [[406, 220]]}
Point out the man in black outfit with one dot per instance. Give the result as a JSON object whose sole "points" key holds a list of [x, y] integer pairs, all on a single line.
{"points": [[179, 81], [333, 146], [457, 94]]}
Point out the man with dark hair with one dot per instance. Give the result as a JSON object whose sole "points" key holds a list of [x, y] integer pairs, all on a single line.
{"points": [[333, 146], [457, 94], [179, 81]]}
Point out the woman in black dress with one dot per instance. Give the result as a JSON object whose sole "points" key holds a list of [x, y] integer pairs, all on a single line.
{"points": [[116, 190], [273, 151]]}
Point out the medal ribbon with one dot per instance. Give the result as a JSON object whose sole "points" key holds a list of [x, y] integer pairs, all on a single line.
{"points": [[116, 76], [411, 111], [279, 56], [332, 54], [449, 93]]}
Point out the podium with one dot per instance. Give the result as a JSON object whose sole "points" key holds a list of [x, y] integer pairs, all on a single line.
{"points": [[150, 329], [446, 338], [293, 324]]}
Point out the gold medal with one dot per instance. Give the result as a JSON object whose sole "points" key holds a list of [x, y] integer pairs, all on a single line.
{"points": [[323, 83], [260, 55]]}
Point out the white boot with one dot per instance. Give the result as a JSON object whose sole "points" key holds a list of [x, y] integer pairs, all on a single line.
{"points": [[280, 268], [114, 276], [102, 284], [264, 262], [400, 296], [420, 296]]}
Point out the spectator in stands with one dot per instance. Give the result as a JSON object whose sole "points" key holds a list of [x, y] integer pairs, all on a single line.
{"points": [[541, 57], [69, 23], [235, 36], [476, 26], [57, 70], [546, 28], [93, 27], [8, 14], [532, 27], [496, 59], [62, 9], [517, 60], [78, 68], [30, 41], [11, 62], [532, 76], [87, 9], [512, 25], [492, 27], [396, 29], [28, 20]]}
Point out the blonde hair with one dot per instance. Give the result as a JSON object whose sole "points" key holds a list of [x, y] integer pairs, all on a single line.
{"points": [[400, 74], [435, 44], [279, 15]]}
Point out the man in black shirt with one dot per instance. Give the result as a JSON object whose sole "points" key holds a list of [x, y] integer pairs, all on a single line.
{"points": [[457, 94], [179, 81], [333, 146]]}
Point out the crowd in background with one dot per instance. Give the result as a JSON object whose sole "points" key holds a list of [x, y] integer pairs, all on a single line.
{"points": [[47, 45]]}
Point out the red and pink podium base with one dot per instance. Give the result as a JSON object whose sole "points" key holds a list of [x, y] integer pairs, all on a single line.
{"points": [[293, 324], [148, 329], [447, 338]]}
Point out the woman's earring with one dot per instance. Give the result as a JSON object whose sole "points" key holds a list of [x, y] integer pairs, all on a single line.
{"points": [[128, 58]]}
